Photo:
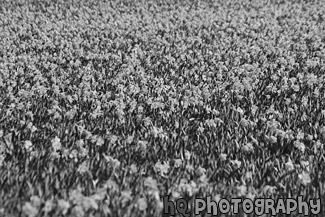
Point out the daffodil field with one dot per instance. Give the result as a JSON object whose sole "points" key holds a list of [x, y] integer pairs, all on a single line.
{"points": [[108, 106]]}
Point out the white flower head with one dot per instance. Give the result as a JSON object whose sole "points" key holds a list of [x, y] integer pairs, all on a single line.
{"points": [[289, 165], [304, 178]]}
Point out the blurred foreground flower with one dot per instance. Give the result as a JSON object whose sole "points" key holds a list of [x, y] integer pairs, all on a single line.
{"points": [[83, 167], [125, 197], [48, 206], [142, 204], [248, 147], [63, 206], [36, 201], [300, 146], [56, 144], [268, 190], [223, 157], [236, 163], [187, 155], [305, 165], [250, 195], [142, 145], [151, 183], [98, 140], [271, 139], [30, 210], [28, 145], [289, 165], [77, 211], [241, 190], [240, 110], [217, 198], [162, 168], [112, 161], [190, 188], [177, 162], [304, 178]]}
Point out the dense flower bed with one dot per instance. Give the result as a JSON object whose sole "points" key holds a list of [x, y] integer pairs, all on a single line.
{"points": [[106, 107]]}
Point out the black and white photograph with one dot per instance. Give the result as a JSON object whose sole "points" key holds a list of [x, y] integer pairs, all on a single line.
{"points": [[160, 108]]}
